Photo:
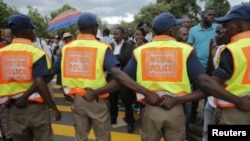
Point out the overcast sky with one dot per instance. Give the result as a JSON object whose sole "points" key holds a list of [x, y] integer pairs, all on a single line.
{"points": [[112, 11]]}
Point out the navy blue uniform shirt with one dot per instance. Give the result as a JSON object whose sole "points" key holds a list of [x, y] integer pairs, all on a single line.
{"points": [[40, 68]]}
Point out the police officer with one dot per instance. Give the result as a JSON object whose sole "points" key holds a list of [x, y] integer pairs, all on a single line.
{"points": [[24, 65], [85, 62]]}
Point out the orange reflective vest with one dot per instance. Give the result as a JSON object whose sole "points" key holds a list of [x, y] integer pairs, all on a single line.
{"points": [[161, 67], [82, 65], [239, 83], [16, 73]]}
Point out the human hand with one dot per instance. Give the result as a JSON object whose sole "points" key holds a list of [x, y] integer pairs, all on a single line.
{"points": [[167, 102], [90, 95], [243, 103], [56, 114], [153, 99]]}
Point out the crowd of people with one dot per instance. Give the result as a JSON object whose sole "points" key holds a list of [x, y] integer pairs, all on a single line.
{"points": [[164, 71]]}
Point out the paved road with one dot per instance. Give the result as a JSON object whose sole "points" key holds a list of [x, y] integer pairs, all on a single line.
{"points": [[64, 130]]}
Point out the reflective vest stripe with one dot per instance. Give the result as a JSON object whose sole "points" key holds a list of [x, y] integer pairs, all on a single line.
{"points": [[223, 104], [36, 97], [81, 92], [4, 100]]}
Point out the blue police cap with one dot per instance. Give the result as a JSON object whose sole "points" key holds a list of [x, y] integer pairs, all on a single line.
{"points": [[241, 12], [87, 19], [21, 21], [164, 21]]}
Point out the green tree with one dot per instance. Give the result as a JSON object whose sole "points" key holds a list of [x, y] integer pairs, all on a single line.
{"points": [[147, 13], [64, 8], [39, 21], [5, 12], [221, 6], [183, 7]]}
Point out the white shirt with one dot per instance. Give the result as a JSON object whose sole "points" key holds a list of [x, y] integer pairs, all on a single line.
{"points": [[117, 48]]}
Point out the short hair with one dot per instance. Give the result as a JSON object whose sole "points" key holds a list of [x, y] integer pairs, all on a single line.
{"points": [[121, 29], [207, 9], [144, 33], [106, 31]]}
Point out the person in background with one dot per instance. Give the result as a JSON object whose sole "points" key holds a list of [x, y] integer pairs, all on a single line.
{"points": [[187, 22], [130, 34], [123, 51], [217, 45], [199, 37], [5, 127], [182, 34], [67, 38], [106, 37], [8, 36], [140, 34], [40, 43], [32, 120]]}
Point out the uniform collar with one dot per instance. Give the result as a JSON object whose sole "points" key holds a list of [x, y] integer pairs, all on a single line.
{"points": [[162, 38], [21, 40], [86, 36], [240, 36]]}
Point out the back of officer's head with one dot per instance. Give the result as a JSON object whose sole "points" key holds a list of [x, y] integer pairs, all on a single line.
{"points": [[87, 23], [21, 26], [163, 22]]}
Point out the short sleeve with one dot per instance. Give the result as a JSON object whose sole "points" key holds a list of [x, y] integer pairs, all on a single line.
{"points": [[40, 68], [110, 60], [194, 67], [131, 67]]}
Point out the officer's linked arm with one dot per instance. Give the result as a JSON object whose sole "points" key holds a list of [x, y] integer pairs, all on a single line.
{"points": [[21, 101], [91, 94], [125, 80], [213, 86], [45, 94]]}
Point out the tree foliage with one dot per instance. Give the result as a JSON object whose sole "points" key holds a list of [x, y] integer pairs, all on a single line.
{"points": [[39, 21], [221, 6], [183, 7], [5, 12], [64, 8], [147, 13]]}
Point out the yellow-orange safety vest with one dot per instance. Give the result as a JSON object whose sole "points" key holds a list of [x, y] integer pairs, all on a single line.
{"points": [[16, 73], [161, 67], [82, 65], [239, 83]]}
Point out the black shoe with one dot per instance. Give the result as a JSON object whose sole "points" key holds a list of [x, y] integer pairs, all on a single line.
{"points": [[68, 99], [130, 128]]}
